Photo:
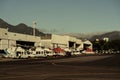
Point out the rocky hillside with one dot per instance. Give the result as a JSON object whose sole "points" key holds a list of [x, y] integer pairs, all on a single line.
{"points": [[114, 35], [20, 28]]}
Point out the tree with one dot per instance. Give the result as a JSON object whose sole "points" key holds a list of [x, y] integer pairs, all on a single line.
{"points": [[102, 45]]}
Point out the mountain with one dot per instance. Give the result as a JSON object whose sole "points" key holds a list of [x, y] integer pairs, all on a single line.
{"points": [[114, 35], [20, 28], [24, 29], [4, 24], [83, 35]]}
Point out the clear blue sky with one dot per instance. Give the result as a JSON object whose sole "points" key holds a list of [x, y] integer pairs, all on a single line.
{"points": [[64, 16]]}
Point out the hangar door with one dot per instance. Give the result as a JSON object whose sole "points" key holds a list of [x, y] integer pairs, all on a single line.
{"points": [[25, 43], [71, 44], [86, 46]]}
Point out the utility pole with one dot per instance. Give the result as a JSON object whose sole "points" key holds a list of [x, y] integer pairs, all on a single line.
{"points": [[34, 25]]}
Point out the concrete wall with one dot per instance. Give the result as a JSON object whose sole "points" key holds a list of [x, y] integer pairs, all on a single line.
{"points": [[72, 39], [11, 43], [3, 38], [59, 40], [23, 37], [46, 43], [78, 41], [3, 33], [3, 44]]}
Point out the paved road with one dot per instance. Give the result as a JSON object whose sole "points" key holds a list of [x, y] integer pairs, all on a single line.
{"points": [[80, 68]]}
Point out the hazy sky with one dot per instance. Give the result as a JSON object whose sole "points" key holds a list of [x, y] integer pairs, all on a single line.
{"points": [[64, 16]]}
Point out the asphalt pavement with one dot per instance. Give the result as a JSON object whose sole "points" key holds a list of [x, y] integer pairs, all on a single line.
{"points": [[99, 67]]}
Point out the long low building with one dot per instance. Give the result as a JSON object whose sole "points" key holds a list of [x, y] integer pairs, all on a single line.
{"points": [[9, 39]]}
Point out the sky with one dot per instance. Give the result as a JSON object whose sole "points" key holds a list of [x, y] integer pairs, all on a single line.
{"points": [[63, 16]]}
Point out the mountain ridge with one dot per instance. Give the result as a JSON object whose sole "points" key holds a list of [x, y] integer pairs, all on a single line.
{"points": [[24, 29], [113, 35], [20, 28]]}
